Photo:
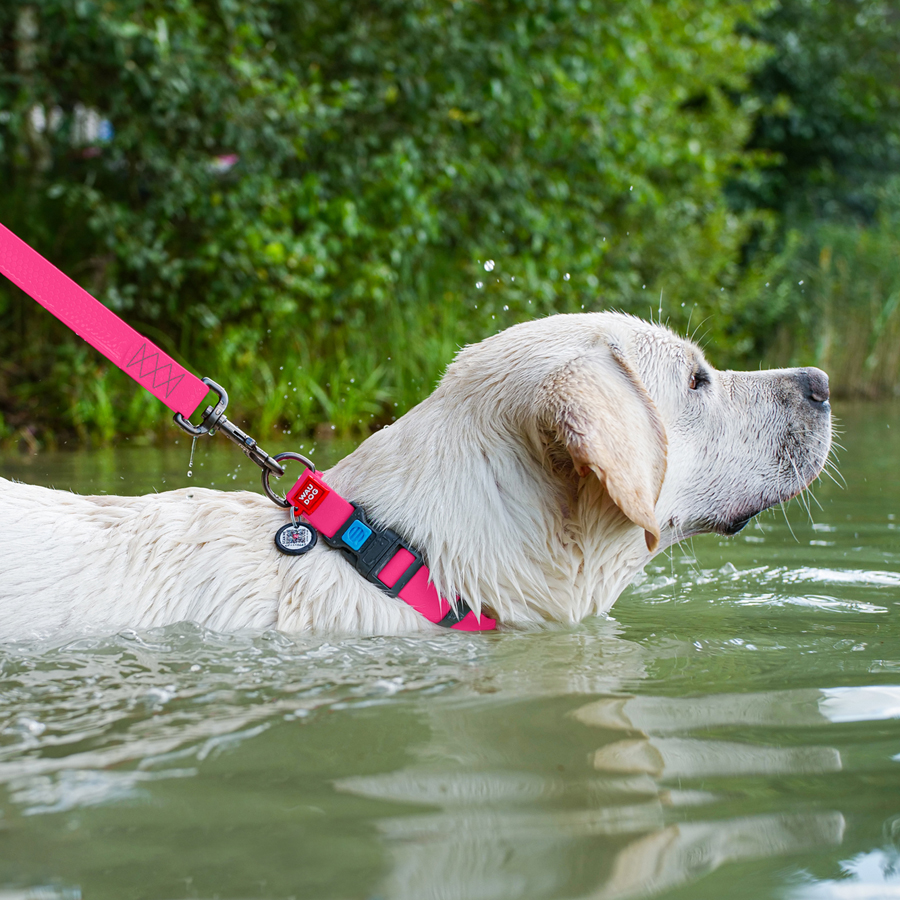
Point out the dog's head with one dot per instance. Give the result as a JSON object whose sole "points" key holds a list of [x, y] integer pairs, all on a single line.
{"points": [[679, 447]]}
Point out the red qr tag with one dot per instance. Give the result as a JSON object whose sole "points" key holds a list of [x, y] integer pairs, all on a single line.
{"points": [[307, 494]]}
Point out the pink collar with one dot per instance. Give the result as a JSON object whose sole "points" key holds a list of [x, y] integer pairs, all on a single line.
{"points": [[379, 554]]}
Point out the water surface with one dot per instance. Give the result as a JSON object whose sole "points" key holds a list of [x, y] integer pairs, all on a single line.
{"points": [[733, 731]]}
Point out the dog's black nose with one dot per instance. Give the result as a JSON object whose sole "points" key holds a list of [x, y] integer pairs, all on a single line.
{"points": [[816, 385]]}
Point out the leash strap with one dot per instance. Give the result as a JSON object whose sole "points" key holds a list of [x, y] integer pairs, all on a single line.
{"points": [[152, 369], [379, 554]]}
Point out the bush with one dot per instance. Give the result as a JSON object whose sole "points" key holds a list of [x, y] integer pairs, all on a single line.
{"points": [[830, 108], [410, 176]]}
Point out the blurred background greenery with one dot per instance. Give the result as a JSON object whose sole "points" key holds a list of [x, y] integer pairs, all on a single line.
{"points": [[316, 202]]}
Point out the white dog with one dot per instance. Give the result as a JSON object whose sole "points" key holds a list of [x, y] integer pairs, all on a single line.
{"points": [[551, 463]]}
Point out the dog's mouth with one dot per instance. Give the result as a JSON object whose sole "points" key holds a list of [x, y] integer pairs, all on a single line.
{"points": [[727, 526], [730, 529]]}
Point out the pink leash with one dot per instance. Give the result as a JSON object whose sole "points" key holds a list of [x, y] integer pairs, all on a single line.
{"points": [[100, 327], [379, 554]]}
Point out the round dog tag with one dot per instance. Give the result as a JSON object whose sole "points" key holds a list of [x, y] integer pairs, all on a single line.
{"points": [[295, 539]]}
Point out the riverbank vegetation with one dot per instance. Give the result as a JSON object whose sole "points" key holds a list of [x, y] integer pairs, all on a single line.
{"points": [[316, 204]]}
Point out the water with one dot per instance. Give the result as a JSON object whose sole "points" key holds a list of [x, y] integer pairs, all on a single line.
{"points": [[733, 732]]}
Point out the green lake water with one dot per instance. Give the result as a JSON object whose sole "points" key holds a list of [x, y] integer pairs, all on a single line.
{"points": [[732, 732]]}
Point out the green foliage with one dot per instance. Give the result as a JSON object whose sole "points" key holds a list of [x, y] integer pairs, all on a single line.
{"points": [[412, 176], [830, 107], [821, 285]]}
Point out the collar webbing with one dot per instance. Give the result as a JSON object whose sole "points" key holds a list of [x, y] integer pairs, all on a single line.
{"points": [[379, 554]]}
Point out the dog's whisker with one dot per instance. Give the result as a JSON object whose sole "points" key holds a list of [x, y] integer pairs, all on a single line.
{"points": [[831, 471], [800, 484]]}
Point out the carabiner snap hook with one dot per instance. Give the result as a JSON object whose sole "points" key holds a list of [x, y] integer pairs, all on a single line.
{"points": [[214, 420], [211, 415]]}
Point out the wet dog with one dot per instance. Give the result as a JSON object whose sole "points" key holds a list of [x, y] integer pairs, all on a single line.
{"points": [[551, 463]]}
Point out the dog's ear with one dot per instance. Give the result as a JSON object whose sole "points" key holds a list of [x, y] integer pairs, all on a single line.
{"points": [[601, 412]]}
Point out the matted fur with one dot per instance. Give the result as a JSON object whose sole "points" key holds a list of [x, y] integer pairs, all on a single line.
{"points": [[551, 463]]}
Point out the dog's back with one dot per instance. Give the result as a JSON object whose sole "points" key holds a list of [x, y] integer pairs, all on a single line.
{"points": [[106, 563]]}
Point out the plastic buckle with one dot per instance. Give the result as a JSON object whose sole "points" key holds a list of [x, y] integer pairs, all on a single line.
{"points": [[370, 549], [456, 613]]}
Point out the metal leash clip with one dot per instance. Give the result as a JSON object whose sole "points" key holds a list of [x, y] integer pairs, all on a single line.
{"points": [[214, 420]]}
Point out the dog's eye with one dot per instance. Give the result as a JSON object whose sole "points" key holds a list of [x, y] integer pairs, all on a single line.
{"points": [[698, 379]]}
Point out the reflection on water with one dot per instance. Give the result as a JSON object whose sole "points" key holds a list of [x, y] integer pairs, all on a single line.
{"points": [[773, 709], [734, 732], [644, 829], [867, 876]]}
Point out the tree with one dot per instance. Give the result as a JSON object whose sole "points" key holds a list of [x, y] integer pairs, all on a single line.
{"points": [[830, 107]]}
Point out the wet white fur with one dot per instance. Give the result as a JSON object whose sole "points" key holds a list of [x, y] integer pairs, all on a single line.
{"points": [[535, 479]]}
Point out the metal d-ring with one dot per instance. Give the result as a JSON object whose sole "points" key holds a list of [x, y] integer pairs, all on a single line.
{"points": [[280, 501]]}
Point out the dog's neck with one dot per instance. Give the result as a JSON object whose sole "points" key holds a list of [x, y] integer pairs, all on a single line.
{"points": [[498, 526]]}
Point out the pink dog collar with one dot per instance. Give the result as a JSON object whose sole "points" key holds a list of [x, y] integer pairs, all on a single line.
{"points": [[378, 554]]}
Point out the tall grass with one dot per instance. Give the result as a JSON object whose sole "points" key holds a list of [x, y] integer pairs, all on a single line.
{"points": [[335, 382]]}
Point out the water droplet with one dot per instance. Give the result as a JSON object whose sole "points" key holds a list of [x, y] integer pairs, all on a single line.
{"points": [[489, 266], [566, 277], [190, 473], [479, 285]]}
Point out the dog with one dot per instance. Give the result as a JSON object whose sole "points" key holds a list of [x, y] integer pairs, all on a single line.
{"points": [[551, 463]]}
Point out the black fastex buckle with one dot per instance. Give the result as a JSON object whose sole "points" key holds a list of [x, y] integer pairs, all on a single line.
{"points": [[375, 552]]}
